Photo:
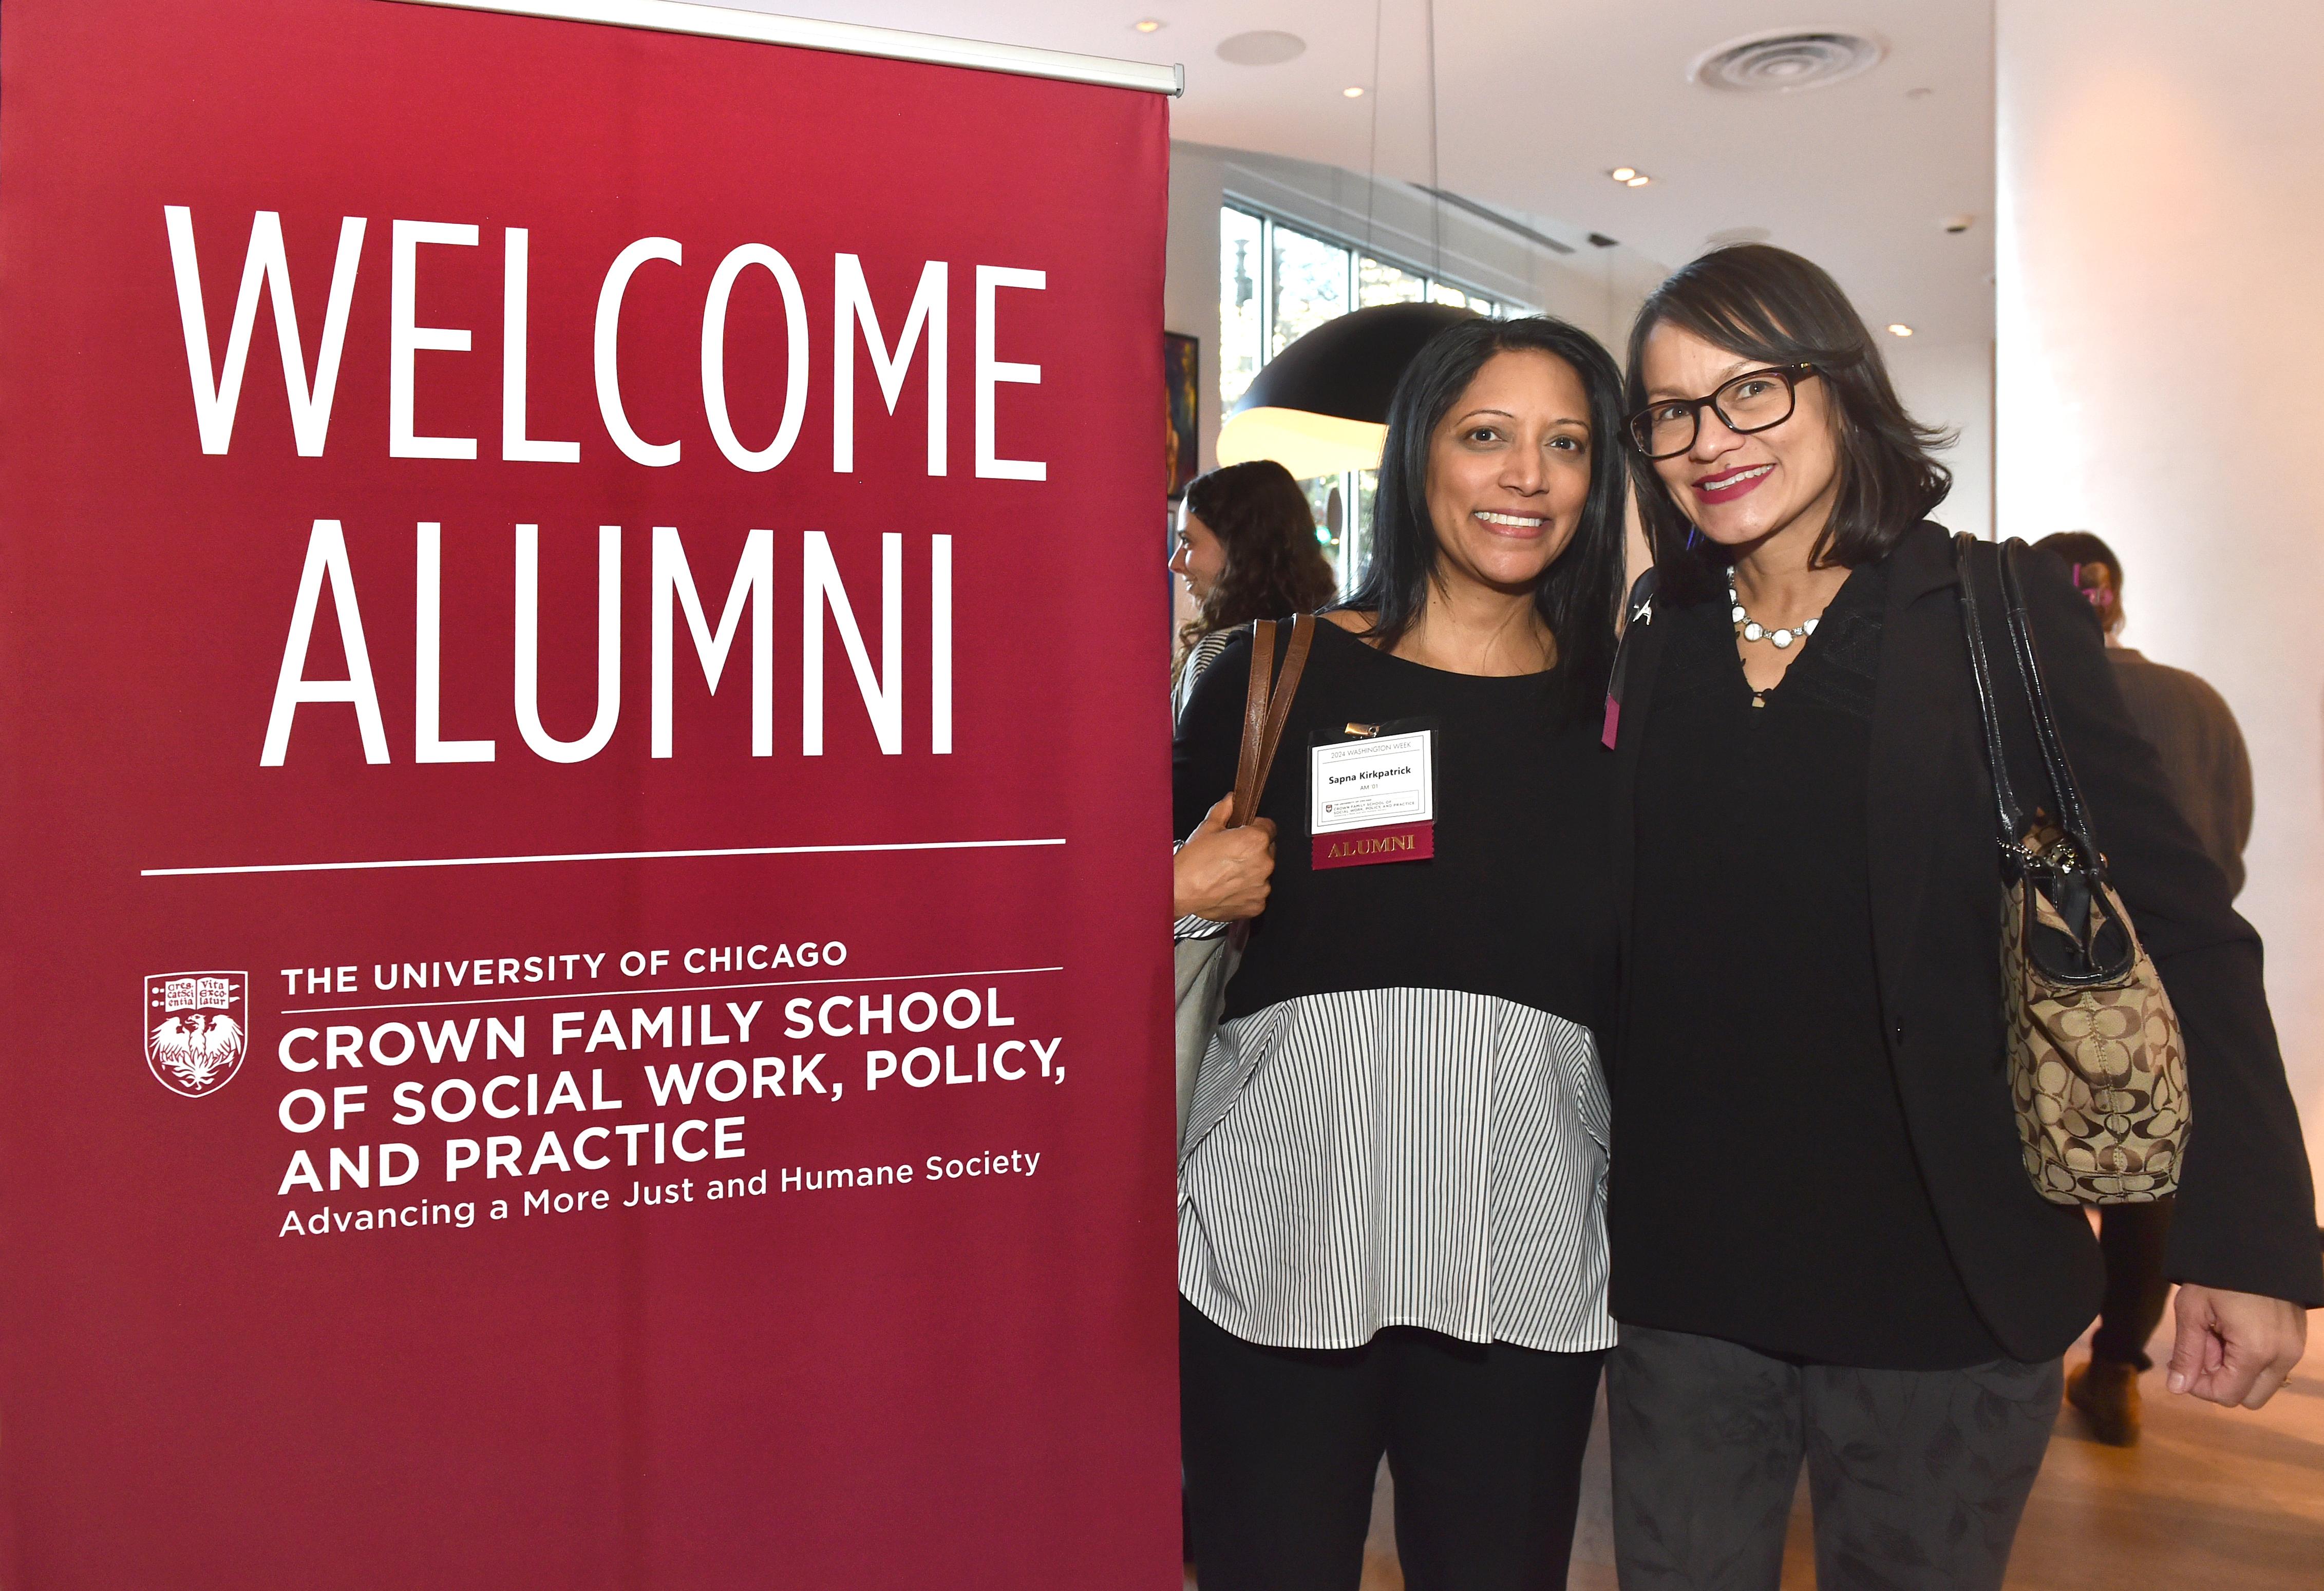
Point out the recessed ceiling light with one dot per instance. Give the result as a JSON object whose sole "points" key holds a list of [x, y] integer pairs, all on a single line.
{"points": [[1897, 328], [1637, 182], [1148, 25], [1623, 173], [1352, 93]]}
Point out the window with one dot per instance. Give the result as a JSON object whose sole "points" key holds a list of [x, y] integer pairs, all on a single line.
{"points": [[1241, 308], [1326, 503], [1277, 283], [1310, 278], [1363, 503], [1378, 282]]}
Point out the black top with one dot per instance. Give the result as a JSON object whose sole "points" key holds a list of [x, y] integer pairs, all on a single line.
{"points": [[1517, 902], [2245, 1216], [1754, 1041]]}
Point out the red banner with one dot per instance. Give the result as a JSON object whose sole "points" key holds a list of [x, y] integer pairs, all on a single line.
{"points": [[582, 769]]}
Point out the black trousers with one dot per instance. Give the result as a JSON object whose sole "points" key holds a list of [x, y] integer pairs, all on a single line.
{"points": [[1282, 1445], [2132, 1236], [1918, 1478]]}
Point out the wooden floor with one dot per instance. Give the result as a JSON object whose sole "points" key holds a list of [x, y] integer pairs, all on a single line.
{"points": [[2211, 1498]]}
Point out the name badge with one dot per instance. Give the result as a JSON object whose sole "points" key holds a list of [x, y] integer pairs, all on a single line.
{"points": [[1373, 800]]}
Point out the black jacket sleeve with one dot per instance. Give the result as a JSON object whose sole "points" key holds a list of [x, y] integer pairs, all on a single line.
{"points": [[2246, 1214], [1210, 737]]}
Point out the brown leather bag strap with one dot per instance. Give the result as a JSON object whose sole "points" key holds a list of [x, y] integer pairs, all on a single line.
{"points": [[1265, 709], [1303, 637], [1247, 777]]}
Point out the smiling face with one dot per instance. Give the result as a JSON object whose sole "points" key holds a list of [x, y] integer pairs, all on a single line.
{"points": [[1198, 557], [1740, 490], [1508, 471]]}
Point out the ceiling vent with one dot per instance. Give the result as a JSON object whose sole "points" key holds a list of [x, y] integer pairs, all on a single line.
{"points": [[1786, 61]]}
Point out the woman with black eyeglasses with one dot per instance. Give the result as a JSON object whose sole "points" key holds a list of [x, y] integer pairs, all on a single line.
{"points": [[1825, 1244]]}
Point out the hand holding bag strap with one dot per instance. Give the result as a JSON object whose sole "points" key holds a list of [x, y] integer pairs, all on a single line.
{"points": [[1203, 966], [1265, 709], [2007, 814]]}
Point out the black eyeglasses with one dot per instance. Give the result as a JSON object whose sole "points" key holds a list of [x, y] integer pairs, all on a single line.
{"points": [[1755, 400]]}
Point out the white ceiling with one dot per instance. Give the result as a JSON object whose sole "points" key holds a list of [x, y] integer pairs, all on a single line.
{"points": [[1539, 100]]}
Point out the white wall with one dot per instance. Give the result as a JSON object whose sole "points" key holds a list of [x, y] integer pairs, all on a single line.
{"points": [[1190, 273], [1950, 384], [2161, 162]]}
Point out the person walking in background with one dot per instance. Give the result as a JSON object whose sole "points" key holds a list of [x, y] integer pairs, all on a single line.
{"points": [[1825, 1243], [1390, 1197], [2187, 723], [1247, 549], [2190, 727]]}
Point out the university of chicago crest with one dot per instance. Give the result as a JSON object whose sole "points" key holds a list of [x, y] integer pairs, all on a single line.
{"points": [[197, 1028]]}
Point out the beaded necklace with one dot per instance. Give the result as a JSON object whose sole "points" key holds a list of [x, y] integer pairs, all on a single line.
{"points": [[1751, 630]]}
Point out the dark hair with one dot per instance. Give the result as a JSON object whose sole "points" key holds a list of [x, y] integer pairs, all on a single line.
{"points": [[1273, 567], [1577, 595], [2077, 548], [1770, 304]]}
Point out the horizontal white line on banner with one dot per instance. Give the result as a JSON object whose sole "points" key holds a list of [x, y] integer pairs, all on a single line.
{"points": [[719, 22], [574, 856], [615, 994]]}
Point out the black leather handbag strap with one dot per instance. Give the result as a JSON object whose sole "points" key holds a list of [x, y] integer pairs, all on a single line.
{"points": [[2008, 817], [2072, 815]]}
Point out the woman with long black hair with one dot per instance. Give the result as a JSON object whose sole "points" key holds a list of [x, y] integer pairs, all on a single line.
{"points": [[1246, 549], [1391, 1235], [1825, 1241]]}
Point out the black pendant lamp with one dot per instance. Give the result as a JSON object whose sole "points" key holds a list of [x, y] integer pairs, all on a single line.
{"points": [[1321, 406]]}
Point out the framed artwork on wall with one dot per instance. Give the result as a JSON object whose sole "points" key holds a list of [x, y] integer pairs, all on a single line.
{"points": [[1181, 372]]}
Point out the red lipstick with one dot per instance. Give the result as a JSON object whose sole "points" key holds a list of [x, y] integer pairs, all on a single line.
{"points": [[1730, 484]]}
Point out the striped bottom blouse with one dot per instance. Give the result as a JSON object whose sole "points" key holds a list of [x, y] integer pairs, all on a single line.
{"points": [[1401, 1120], [1397, 1157]]}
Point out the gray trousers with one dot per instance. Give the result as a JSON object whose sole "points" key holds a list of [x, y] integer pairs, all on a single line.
{"points": [[1918, 1477]]}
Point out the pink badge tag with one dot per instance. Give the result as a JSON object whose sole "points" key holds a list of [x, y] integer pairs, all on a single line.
{"points": [[1361, 848]]}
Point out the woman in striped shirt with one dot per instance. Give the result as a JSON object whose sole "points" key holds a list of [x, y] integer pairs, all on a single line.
{"points": [[1391, 1225]]}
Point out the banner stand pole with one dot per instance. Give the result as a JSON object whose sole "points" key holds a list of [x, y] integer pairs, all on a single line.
{"points": [[718, 21]]}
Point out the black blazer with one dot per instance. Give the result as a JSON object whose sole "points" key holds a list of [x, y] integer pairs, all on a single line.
{"points": [[2246, 1217]]}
